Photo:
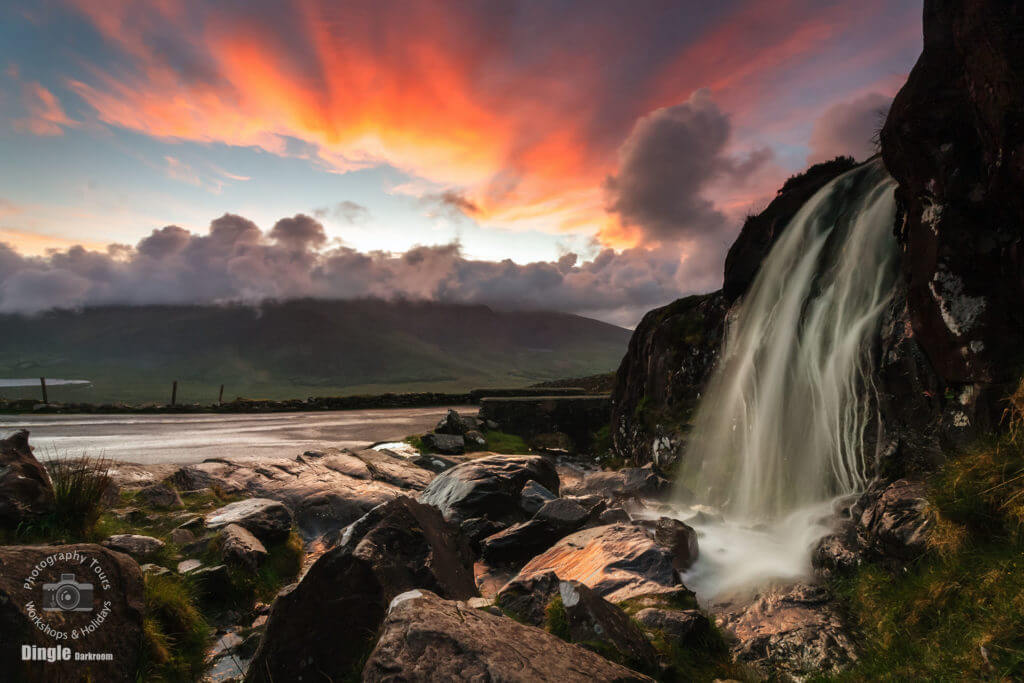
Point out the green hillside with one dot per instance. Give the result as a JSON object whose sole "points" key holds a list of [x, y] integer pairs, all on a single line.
{"points": [[298, 349]]}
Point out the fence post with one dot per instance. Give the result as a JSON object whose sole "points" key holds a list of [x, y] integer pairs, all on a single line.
{"points": [[42, 383], [174, 393], [220, 396]]}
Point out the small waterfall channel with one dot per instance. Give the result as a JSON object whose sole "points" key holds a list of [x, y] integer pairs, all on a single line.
{"points": [[780, 432]]}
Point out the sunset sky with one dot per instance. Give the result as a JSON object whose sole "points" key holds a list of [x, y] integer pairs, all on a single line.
{"points": [[589, 156]]}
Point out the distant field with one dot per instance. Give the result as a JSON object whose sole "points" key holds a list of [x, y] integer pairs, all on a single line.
{"points": [[298, 349]]}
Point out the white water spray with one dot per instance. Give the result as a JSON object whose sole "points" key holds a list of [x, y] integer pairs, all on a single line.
{"points": [[780, 430]]}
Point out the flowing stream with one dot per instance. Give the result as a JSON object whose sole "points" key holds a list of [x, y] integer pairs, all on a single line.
{"points": [[779, 434]]}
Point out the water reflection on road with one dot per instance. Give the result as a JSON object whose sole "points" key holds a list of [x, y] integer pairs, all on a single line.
{"points": [[191, 438]]}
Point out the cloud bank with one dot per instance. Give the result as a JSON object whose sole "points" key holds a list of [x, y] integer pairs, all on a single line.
{"points": [[236, 261]]}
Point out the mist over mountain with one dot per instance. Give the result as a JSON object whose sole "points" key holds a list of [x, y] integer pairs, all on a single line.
{"points": [[299, 348]]}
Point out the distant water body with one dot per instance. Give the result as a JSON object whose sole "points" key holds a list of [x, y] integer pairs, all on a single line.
{"points": [[34, 382]]}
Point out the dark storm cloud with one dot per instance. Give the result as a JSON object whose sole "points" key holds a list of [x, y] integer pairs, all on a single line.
{"points": [[849, 128], [234, 261], [666, 164]]}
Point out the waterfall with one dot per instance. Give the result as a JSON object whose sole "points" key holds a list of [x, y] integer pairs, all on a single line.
{"points": [[780, 430]]}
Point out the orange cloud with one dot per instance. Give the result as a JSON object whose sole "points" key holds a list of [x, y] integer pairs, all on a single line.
{"points": [[524, 124], [46, 116]]}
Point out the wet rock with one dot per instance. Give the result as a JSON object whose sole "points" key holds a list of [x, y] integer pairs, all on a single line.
{"points": [[681, 627], [25, 489], [588, 617], [533, 496], [488, 487], [161, 495], [396, 547], [116, 594], [139, 547], [670, 356], [896, 524], [240, 547], [520, 542], [427, 638], [617, 561], [888, 524], [627, 483], [325, 491], [680, 539], [796, 628], [268, 520]]}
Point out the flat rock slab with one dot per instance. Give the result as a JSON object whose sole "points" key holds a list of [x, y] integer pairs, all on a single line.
{"points": [[268, 520], [102, 615], [488, 487], [426, 638], [617, 561], [326, 490]]}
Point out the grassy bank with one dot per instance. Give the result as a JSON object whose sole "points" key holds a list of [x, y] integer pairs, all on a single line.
{"points": [[957, 613]]}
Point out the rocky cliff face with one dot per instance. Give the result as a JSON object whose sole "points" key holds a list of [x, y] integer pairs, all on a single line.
{"points": [[952, 341], [662, 375], [954, 140], [674, 348]]}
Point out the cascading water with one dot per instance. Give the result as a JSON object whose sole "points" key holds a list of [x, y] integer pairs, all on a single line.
{"points": [[780, 431]]}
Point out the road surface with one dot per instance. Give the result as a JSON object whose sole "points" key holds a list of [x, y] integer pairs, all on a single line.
{"points": [[191, 438]]}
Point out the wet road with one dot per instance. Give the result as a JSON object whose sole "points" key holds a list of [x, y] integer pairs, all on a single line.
{"points": [[191, 438]]}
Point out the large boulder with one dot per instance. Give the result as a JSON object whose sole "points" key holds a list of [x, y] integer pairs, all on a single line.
{"points": [[325, 490], [519, 542], [98, 596], [325, 626], [577, 614], [488, 487], [617, 561], [680, 539], [268, 520], [954, 141], [426, 638], [25, 489], [889, 523]]}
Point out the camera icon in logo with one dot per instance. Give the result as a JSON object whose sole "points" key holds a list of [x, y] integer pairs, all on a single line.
{"points": [[67, 595]]}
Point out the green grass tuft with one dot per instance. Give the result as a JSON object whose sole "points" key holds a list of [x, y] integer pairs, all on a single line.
{"points": [[556, 620], [175, 634]]}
